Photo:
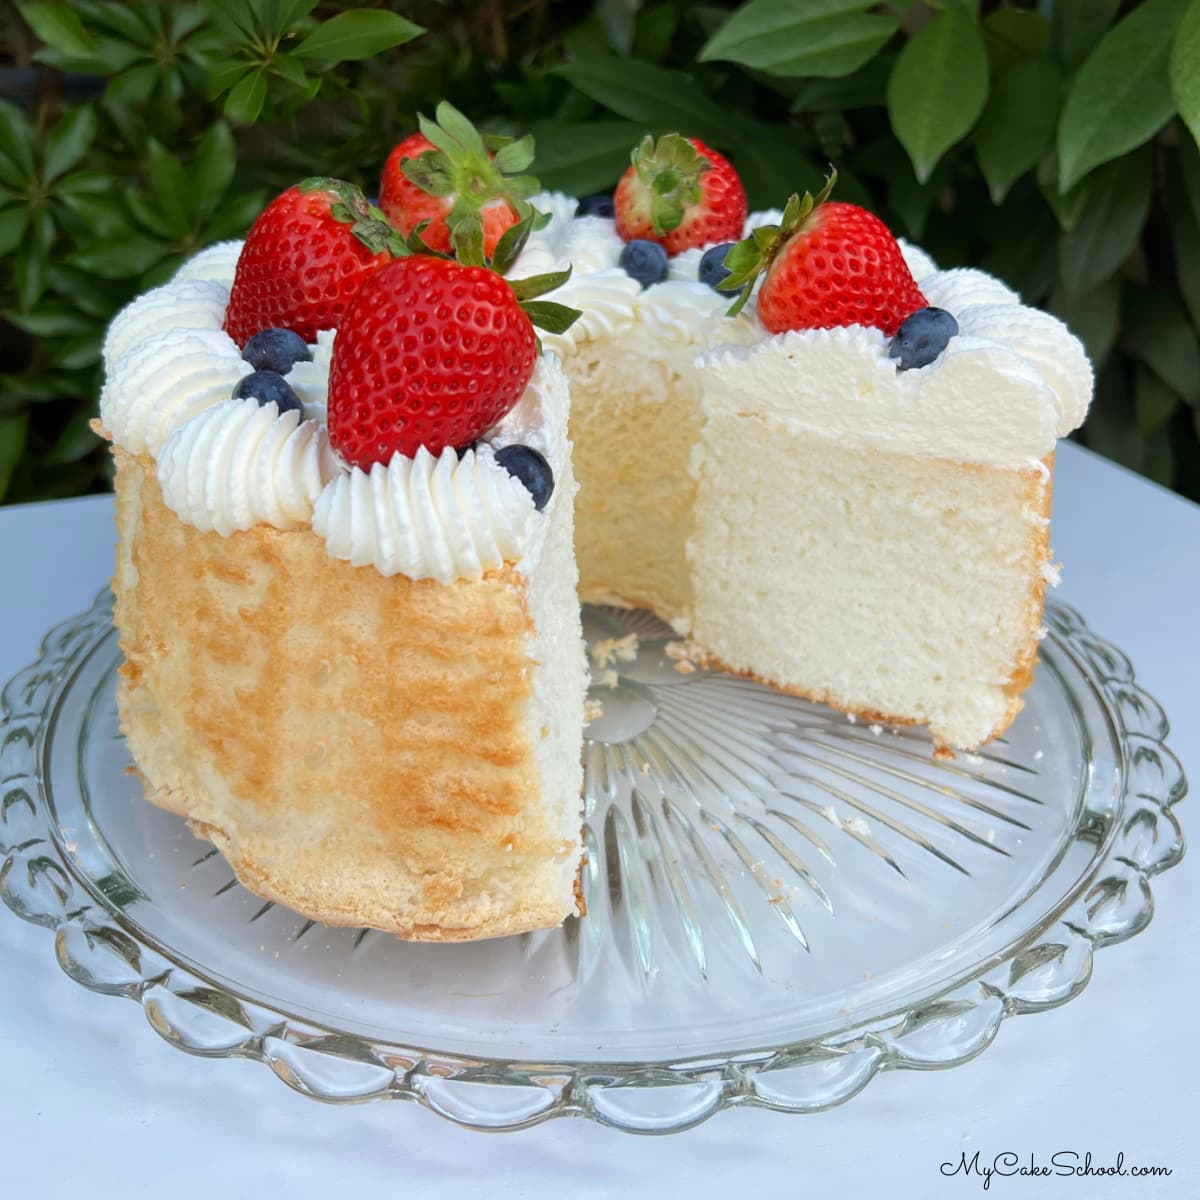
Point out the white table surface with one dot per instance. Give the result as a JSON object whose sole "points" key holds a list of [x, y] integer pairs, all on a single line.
{"points": [[91, 1099]]}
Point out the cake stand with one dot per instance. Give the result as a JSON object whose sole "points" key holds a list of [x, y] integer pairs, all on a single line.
{"points": [[781, 902]]}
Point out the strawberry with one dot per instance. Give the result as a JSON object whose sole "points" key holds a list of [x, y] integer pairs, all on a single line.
{"points": [[680, 194], [433, 352], [447, 175], [305, 258], [825, 265]]}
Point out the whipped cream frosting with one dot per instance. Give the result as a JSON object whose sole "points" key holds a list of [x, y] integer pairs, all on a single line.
{"points": [[445, 518], [225, 464], [679, 309], [216, 262], [1012, 382], [164, 381], [240, 464]]}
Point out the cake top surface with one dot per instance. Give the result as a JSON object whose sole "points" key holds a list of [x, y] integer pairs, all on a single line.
{"points": [[372, 373]]}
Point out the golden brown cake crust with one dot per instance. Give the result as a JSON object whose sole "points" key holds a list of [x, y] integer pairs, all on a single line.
{"points": [[270, 695]]}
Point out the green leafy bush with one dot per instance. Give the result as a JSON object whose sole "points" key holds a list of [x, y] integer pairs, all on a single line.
{"points": [[1053, 144]]}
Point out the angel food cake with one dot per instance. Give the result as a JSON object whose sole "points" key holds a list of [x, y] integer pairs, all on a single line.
{"points": [[347, 583]]}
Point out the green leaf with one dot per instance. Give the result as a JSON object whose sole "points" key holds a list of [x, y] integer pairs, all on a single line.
{"points": [[57, 24], [31, 261], [660, 99], [16, 140], [1158, 332], [13, 432], [121, 258], [52, 319], [245, 101], [13, 223], [551, 316], [238, 17], [1184, 68], [1067, 206], [1022, 253], [1078, 25], [358, 34], [1018, 124], [619, 18], [655, 30], [938, 88], [1156, 403], [1092, 317], [1185, 239], [211, 171], [68, 141], [1012, 36], [1108, 229], [1120, 97], [288, 13], [818, 38], [234, 217], [169, 185], [581, 159], [134, 86], [866, 88]]}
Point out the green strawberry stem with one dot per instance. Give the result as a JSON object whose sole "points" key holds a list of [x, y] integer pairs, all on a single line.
{"points": [[367, 222], [460, 166], [468, 251], [750, 257], [671, 170]]}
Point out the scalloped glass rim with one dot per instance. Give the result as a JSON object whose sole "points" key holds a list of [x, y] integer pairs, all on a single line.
{"points": [[197, 1011]]}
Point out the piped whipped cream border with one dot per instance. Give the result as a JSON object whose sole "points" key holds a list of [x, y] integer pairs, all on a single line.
{"points": [[1013, 382], [226, 465], [1006, 388]]}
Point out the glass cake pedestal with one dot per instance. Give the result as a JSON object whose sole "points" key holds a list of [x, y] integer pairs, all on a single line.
{"points": [[781, 902]]}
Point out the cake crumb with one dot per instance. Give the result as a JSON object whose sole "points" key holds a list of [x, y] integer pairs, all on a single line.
{"points": [[593, 710], [876, 729], [612, 650], [1038, 755], [856, 825], [1052, 573], [1039, 634], [608, 679], [852, 718], [684, 654], [943, 754]]}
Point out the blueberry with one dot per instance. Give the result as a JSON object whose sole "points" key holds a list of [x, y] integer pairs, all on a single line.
{"points": [[922, 337], [527, 465], [645, 261], [276, 350], [265, 386], [599, 204], [713, 270]]}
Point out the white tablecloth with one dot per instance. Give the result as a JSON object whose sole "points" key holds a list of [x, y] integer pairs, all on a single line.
{"points": [[91, 1100]]}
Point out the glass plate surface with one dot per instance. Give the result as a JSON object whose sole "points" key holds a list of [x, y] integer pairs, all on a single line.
{"points": [[781, 902]]}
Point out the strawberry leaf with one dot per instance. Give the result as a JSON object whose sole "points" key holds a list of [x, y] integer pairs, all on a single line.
{"points": [[553, 318], [466, 233], [539, 285], [516, 156], [512, 242]]}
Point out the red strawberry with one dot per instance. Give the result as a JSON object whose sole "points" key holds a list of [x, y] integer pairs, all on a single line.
{"points": [[447, 175], [432, 353], [826, 265], [680, 194], [305, 258]]}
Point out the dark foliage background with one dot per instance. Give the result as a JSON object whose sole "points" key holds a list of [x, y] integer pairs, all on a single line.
{"points": [[1053, 143]]}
